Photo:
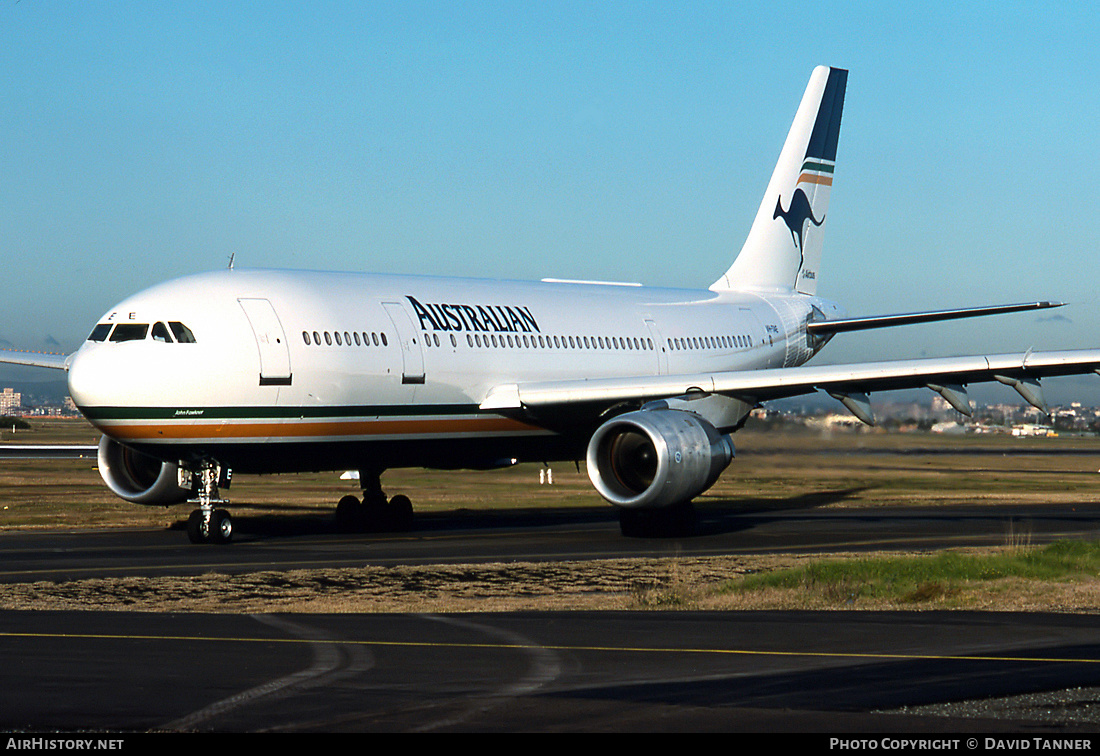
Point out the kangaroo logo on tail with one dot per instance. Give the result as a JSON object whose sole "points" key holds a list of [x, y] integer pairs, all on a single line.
{"points": [[801, 182], [796, 215]]}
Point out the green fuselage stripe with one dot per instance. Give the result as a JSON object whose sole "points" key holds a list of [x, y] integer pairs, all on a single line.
{"points": [[237, 413]]}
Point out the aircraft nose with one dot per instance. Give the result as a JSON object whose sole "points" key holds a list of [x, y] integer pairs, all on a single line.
{"points": [[89, 383]]}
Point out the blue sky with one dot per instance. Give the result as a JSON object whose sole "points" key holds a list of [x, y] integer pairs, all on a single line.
{"points": [[623, 141]]}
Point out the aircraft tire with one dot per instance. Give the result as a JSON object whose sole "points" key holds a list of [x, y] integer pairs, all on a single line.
{"points": [[221, 527], [197, 532], [400, 511], [350, 515]]}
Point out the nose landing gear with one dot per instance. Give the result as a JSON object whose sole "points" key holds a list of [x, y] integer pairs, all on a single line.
{"points": [[214, 526], [207, 524]]}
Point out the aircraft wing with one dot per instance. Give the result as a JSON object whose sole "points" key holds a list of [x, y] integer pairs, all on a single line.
{"points": [[848, 383], [35, 359]]}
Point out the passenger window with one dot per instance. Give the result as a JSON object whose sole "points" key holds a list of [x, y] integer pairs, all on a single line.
{"points": [[99, 333], [160, 333], [181, 332], [130, 332]]}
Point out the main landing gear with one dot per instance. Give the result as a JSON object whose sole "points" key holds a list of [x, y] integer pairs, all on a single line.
{"points": [[207, 524], [375, 513]]}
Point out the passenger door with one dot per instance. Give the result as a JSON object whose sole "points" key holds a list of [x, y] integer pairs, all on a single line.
{"points": [[270, 340]]}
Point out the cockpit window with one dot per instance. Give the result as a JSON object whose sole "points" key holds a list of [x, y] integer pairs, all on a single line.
{"points": [[160, 333], [183, 333], [99, 333], [130, 332]]}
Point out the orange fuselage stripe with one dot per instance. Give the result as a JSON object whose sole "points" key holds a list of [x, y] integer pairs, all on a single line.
{"points": [[231, 429]]}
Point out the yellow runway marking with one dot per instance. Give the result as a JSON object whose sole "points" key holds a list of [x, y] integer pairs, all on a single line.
{"points": [[555, 647]]}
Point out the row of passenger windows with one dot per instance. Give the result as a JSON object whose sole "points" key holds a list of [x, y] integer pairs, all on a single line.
{"points": [[549, 342], [346, 339], [711, 342], [594, 342], [173, 332]]}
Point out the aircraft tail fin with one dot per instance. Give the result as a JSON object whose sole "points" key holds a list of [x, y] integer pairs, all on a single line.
{"points": [[783, 249]]}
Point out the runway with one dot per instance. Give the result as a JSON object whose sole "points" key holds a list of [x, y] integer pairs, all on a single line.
{"points": [[261, 543]]}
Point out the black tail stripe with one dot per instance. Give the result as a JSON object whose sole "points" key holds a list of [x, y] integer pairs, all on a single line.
{"points": [[826, 133]]}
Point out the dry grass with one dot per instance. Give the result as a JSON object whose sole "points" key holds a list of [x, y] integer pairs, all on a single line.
{"points": [[701, 583]]}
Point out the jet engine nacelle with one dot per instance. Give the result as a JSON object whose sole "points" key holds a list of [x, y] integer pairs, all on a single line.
{"points": [[656, 458], [137, 477]]}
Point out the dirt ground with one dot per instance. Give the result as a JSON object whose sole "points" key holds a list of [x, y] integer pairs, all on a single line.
{"points": [[617, 584]]}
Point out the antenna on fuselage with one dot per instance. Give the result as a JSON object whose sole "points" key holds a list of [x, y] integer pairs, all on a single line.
{"points": [[231, 256]]}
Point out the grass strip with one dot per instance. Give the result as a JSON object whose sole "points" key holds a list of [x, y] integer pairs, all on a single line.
{"points": [[917, 579]]}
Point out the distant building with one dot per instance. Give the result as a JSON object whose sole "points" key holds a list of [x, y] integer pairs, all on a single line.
{"points": [[11, 402], [1032, 429]]}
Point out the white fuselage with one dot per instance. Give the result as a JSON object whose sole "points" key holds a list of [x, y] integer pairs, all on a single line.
{"points": [[307, 370]]}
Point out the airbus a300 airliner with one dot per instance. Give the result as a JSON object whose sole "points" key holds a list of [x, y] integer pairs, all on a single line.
{"points": [[261, 371]]}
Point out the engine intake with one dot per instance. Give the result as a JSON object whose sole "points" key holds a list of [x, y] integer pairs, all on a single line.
{"points": [[656, 458], [137, 477]]}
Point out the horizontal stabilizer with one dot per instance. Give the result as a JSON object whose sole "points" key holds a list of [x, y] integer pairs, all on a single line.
{"points": [[823, 327]]}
